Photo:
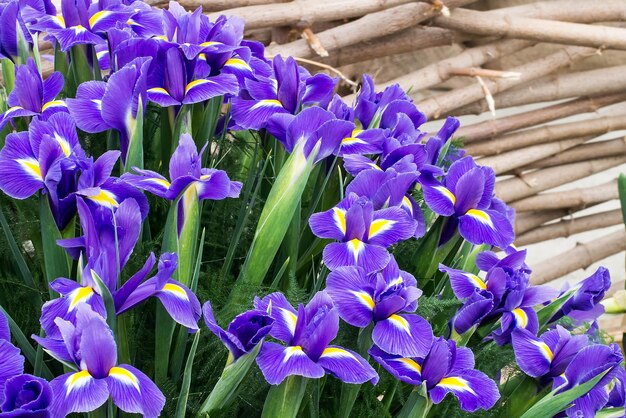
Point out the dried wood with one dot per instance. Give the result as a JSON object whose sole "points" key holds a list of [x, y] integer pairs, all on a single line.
{"points": [[542, 30], [492, 128], [580, 11], [446, 102], [526, 221], [598, 149], [537, 181], [576, 198], [368, 27], [522, 157], [557, 87], [294, 12], [549, 133], [217, 5], [580, 257], [569, 227]]}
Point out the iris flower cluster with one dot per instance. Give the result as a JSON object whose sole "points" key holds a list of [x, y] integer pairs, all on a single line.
{"points": [[401, 181]]}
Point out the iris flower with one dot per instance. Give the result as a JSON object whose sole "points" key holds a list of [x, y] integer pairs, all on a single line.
{"points": [[89, 347], [308, 333], [446, 369], [33, 96], [584, 305], [387, 299], [11, 361], [465, 196], [364, 234], [244, 332]]}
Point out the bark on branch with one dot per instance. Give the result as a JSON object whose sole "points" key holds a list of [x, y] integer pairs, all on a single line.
{"points": [[583, 152], [576, 198]]}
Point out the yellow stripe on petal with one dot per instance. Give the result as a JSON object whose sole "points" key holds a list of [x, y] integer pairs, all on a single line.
{"points": [[267, 103], [97, 17], [355, 246], [290, 318], [63, 143], [411, 364], [477, 281], [162, 182], [195, 83], [60, 19], [76, 381], [31, 166], [400, 322], [175, 290], [379, 226], [366, 299], [481, 216], [340, 219], [159, 90], [210, 43], [295, 350], [82, 294], [336, 352], [125, 377], [53, 103], [237, 63], [456, 383], [78, 29], [447, 193], [105, 198], [13, 109], [406, 203], [521, 319], [545, 350]]}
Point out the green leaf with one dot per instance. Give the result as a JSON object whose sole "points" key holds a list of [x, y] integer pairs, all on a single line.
{"points": [[181, 405], [18, 258], [109, 304], [283, 401], [554, 403], [610, 413], [226, 387], [417, 405], [621, 185], [56, 260], [547, 312], [134, 154], [188, 235], [8, 75]]}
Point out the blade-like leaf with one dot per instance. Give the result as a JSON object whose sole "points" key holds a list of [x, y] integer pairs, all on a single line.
{"points": [[621, 186], [18, 258], [283, 401], [181, 406]]}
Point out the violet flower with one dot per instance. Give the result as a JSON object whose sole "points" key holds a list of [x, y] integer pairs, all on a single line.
{"points": [[26, 395]]}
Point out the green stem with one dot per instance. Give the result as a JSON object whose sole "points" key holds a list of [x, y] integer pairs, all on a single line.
{"points": [[417, 405], [349, 392], [283, 401]]}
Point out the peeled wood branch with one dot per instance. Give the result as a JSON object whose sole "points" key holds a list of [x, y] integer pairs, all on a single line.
{"points": [[216, 5], [581, 256], [576, 198], [520, 158], [557, 87], [527, 221], [549, 133], [370, 26], [491, 128], [484, 23], [537, 181], [581, 11], [291, 13], [568, 227], [599, 149], [444, 103]]}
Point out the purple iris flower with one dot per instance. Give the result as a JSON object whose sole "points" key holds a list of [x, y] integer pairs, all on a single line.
{"points": [[314, 129], [177, 84], [26, 395], [390, 188], [465, 196], [387, 299], [506, 283], [12, 28], [308, 333], [584, 305], [364, 234], [89, 346], [100, 106], [474, 310], [587, 364], [549, 354], [287, 91], [446, 369], [243, 334], [32, 96], [185, 172], [617, 395], [11, 361]]}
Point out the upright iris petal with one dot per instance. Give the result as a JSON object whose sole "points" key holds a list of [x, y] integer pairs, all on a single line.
{"points": [[445, 369], [386, 299], [308, 333], [584, 305]]}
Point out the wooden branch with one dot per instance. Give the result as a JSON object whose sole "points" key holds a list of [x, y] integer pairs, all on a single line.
{"points": [[557, 87], [509, 161], [568, 227], [291, 13], [484, 23], [491, 128], [593, 150], [549, 133], [217, 5], [483, 72], [526, 221], [444, 103], [575, 198], [581, 256], [580, 11], [368, 27], [537, 181]]}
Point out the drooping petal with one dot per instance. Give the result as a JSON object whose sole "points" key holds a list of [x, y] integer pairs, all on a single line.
{"points": [[181, 303], [250, 114], [133, 392], [20, 172], [486, 227], [347, 366], [77, 392], [231, 342], [440, 199], [532, 355], [390, 226], [407, 335], [477, 307], [474, 390], [205, 89], [277, 362], [86, 108], [352, 293], [369, 257], [463, 284], [329, 224], [405, 369]]}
